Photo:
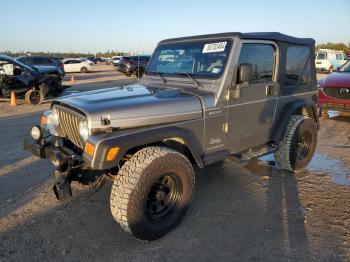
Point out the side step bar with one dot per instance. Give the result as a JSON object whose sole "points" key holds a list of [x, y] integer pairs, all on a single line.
{"points": [[255, 152]]}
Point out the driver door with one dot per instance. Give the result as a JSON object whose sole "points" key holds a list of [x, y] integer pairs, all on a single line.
{"points": [[251, 116]]}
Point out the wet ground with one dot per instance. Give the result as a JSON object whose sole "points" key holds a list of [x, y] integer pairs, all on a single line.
{"points": [[241, 212]]}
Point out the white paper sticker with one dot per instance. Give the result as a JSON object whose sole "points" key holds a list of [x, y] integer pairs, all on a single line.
{"points": [[214, 47]]}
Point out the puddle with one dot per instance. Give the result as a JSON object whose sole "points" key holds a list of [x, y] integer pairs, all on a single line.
{"points": [[322, 165]]}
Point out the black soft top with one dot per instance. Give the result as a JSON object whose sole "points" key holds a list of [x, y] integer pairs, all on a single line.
{"points": [[276, 36]]}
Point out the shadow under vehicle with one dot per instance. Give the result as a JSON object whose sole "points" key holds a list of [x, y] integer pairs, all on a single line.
{"points": [[201, 100], [34, 83]]}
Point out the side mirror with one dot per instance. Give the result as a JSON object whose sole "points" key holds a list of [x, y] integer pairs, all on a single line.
{"points": [[245, 73]]}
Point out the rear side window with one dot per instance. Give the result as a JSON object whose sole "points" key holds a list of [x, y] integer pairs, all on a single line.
{"points": [[297, 65], [38, 61], [262, 58]]}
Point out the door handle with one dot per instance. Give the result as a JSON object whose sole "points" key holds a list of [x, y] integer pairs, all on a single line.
{"points": [[269, 90]]}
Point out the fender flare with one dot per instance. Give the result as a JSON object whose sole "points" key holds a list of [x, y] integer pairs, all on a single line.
{"points": [[289, 109], [141, 138]]}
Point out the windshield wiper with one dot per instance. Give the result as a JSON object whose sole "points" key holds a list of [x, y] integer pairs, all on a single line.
{"points": [[190, 76], [158, 74]]}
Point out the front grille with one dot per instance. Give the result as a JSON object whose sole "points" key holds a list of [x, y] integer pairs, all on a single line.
{"points": [[337, 92], [69, 125]]}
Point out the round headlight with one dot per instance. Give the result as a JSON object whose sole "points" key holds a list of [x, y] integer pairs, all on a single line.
{"points": [[37, 133], [83, 130]]}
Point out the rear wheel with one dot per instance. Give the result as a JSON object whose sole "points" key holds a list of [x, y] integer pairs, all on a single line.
{"points": [[83, 69], [152, 192], [298, 144]]}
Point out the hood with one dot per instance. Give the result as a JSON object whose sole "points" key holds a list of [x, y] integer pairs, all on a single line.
{"points": [[136, 105], [336, 80], [46, 69]]}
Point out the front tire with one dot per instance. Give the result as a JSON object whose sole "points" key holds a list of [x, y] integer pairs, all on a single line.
{"points": [[152, 192], [33, 97], [298, 145], [83, 70]]}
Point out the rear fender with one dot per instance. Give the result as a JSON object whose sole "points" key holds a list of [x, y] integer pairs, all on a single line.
{"points": [[301, 107]]}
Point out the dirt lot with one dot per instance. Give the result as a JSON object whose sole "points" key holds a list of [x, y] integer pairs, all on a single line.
{"points": [[240, 212]]}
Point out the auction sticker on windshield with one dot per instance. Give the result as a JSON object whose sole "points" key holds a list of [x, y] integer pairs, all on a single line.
{"points": [[214, 47]]}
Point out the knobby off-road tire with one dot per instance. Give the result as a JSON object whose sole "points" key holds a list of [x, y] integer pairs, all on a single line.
{"points": [[152, 192], [298, 144]]}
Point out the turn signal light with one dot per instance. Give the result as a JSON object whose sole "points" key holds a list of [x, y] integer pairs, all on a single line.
{"points": [[89, 149], [112, 153], [43, 120]]}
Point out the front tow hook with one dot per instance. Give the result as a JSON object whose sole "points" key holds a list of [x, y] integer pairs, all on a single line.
{"points": [[62, 189]]}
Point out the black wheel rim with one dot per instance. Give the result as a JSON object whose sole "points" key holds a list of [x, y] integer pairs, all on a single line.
{"points": [[34, 97], [304, 144], [163, 197]]}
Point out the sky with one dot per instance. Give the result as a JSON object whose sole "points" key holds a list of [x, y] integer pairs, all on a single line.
{"points": [[101, 25]]}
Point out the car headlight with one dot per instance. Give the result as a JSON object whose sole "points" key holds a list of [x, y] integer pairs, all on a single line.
{"points": [[36, 133], [83, 130]]}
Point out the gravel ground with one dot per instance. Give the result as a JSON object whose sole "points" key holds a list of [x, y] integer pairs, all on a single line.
{"points": [[240, 212]]}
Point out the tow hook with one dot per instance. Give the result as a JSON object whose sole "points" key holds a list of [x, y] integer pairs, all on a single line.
{"points": [[62, 188]]}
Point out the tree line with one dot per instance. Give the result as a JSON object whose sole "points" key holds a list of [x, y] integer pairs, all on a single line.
{"points": [[334, 46]]}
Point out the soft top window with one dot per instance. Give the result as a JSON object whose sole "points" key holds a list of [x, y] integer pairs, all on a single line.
{"points": [[203, 58], [297, 65]]}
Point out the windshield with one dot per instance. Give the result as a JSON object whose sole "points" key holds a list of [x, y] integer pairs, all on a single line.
{"points": [[204, 58], [345, 68]]}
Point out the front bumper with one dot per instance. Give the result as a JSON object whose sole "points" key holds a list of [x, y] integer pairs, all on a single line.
{"points": [[330, 103], [61, 157]]}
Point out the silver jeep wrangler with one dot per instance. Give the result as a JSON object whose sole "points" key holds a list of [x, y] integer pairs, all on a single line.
{"points": [[202, 99]]}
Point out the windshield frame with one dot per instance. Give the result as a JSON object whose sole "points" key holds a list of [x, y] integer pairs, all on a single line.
{"points": [[230, 43]]}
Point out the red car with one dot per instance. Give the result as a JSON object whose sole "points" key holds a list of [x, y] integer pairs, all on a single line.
{"points": [[334, 90]]}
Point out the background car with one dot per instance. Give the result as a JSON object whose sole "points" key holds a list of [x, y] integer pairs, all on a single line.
{"points": [[133, 65], [334, 90], [90, 62], [76, 65], [35, 83], [115, 60], [329, 60], [42, 61]]}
